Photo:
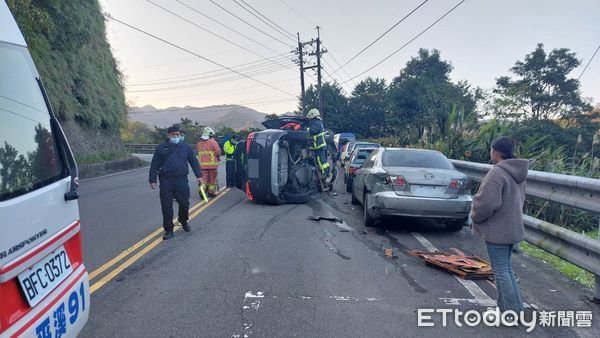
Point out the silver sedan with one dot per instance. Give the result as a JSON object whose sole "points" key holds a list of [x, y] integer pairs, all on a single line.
{"points": [[413, 183]]}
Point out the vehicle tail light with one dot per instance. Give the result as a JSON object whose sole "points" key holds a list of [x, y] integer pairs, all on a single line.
{"points": [[454, 184], [248, 142], [397, 182], [460, 184]]}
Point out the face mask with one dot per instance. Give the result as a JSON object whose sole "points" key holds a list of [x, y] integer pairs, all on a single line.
{"points": [[174, 140], [182, 138]]}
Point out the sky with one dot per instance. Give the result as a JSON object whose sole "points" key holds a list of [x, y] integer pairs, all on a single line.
{"points": [[482, 39]]}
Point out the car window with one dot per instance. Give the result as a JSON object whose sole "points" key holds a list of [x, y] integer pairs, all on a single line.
{"points": [[370, 160], [29, 155], [366, 145], [416, 159], [361, 153]]}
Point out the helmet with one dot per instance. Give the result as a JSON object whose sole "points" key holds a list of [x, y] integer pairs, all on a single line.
{"points": [[313, 113], [207, 133]]}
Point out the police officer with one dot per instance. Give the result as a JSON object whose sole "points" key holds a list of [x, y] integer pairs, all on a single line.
{"points": [[229, 149], [170, 163], [318, 144]]}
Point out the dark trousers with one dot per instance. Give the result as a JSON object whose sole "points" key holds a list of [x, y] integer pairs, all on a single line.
{"points": [[174, 187], [230, 172]]}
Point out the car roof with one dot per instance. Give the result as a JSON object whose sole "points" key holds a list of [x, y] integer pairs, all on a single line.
{"points": [[413, 149], [364, 149], [9, 31]]}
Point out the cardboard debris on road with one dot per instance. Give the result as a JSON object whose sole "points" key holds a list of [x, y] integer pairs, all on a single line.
{"points": [[465, 267]]}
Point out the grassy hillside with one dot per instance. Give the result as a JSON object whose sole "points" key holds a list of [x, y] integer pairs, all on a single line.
{"points": [[68, 44]]}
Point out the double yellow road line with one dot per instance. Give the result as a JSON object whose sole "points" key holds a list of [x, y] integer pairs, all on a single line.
{"points": [[151, 238]]}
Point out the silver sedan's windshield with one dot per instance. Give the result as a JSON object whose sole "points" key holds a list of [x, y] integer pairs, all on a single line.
{"points": [[416, 159]]}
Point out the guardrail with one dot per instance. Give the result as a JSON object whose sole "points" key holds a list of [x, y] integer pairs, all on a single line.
{"points": [[140, 148], [574, 191]]}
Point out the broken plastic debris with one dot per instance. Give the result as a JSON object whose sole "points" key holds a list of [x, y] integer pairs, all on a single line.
{"points": [[388, 252], [466, 267]]}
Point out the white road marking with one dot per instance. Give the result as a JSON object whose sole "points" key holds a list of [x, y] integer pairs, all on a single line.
{"points": [[479, 295]]}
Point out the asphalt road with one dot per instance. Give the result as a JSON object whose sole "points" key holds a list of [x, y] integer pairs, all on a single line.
{"points": [[256, 270]]}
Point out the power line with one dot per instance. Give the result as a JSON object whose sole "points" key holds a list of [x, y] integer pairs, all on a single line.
{"points": [[264, 65], [382, 35], [586, 66], [339, 65], [277, 28], [298, 13], [207, 83], [226, 26], [409, 42], [208, 31], [108, 16], [249, 24], [229, 91]]}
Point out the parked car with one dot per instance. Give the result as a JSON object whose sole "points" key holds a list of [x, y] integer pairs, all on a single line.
{"points": [[354, 146], [274, 166], [342, 138], [344, 152], [357, 159], [414, 183]]}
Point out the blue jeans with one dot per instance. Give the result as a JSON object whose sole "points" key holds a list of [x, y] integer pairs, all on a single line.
{"points": [[509, 294]]}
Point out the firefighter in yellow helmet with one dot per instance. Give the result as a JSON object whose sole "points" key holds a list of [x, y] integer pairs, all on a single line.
{"points": [[209, 155], [318, 142]]}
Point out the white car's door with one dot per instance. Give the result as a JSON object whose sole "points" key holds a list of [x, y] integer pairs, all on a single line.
{"points": [[361, 174]]}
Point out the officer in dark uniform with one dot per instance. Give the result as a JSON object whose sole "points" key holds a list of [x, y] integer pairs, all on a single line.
{"points": [[170, 163]]}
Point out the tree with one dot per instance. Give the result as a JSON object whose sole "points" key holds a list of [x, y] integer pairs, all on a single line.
{"points": [[422, 98], [542, 89], [271, 116], [368, 107], [336, 114]]}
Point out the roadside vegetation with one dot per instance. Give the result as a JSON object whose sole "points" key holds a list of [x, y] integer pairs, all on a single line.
{"points": [[68, 45], [141, 133]]}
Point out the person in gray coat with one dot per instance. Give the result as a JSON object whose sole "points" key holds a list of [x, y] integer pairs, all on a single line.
{"points": [[497, 215]]}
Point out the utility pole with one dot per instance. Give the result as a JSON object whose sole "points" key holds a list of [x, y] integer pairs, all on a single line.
{"points": [[301, 61], [318, 51]]}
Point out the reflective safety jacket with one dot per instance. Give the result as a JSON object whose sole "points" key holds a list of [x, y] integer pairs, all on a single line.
{"points": [[228, 149], [209, 154], [316, 130]]}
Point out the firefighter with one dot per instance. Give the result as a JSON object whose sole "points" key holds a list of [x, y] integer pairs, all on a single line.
{"points": [[318, 143], [209, 155], [229, 149], [170, 164]]}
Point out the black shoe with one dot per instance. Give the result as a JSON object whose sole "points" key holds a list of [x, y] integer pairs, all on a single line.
{"points": [[185, 226], [168, 235]]}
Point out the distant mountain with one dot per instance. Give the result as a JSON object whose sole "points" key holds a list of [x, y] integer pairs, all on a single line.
{"points": [[233, 116]]}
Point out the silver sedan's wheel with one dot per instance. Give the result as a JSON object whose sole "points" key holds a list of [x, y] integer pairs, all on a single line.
{"points": [[369, 221]]}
